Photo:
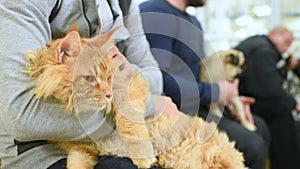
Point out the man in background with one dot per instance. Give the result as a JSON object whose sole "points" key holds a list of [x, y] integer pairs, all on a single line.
{"points": [[176, 41], [263, 81]]}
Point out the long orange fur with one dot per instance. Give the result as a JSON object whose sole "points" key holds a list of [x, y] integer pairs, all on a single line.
{"points": [[191, 144]]}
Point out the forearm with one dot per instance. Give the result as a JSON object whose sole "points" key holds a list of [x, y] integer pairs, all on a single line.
{"points": [[138, 51], [189, 94], [27, 118], [23, 115]]}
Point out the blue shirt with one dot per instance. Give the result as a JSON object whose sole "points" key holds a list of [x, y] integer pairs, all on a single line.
{"points": [[176, 41]]}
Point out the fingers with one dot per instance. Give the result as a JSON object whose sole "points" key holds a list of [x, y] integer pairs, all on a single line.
{"points": [[248, 113], [119, 58], [293, 61], [247, 99], [298, 107], [116, 55], [233, 112], [165, 105]]}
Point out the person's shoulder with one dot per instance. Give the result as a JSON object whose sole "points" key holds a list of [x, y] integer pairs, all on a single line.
{"points": [[251, 44], [255, 40], [153, 6], [194, 20]]}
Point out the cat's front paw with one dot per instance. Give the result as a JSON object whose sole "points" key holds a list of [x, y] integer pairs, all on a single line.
{"points": [[144, 162]]}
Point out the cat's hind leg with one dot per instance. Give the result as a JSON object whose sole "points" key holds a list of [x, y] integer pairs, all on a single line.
{"points": [[136, 139], [82, 157]]}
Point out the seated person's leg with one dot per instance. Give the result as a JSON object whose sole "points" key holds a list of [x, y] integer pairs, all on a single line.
{"points": [[283, 133], [108, 162], [253, 145], [104, 162], [61, 164]]}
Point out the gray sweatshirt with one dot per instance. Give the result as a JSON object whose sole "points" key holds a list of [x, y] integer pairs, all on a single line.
{"points": [[23, 118]]}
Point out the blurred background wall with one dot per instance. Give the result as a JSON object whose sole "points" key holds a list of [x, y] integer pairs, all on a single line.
{"points": [[226, 22]]}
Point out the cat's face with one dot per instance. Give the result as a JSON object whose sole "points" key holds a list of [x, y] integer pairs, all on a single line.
{"points": [[94, 72], [73, 69]]}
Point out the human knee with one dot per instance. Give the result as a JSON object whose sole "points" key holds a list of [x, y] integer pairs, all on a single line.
{"points": [[256, 151]]}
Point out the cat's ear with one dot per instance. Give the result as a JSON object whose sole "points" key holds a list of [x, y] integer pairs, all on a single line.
{"points": [[109, 35], [69, 46], [74, 27], [108, 39], [105, 40]]}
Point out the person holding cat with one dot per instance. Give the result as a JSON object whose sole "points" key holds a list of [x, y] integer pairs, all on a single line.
{"points": [[263, 81], [26, 123], [176, 41]]}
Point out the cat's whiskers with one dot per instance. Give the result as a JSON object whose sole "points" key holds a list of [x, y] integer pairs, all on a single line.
{"points": [[117, 90], [102, 108], [102, 103]]}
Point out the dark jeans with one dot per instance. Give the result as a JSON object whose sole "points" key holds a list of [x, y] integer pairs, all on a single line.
{"points": [[284, 149], [104, 162], [254, 145]]}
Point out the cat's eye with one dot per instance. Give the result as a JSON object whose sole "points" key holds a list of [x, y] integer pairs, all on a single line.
{"points": [[90, 79]]}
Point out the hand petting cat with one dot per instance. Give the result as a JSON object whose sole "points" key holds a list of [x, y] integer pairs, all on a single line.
{"points": [[124, 66], [165, 105]]}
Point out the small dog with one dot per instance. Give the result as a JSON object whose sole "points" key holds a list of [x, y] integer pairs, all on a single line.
{"points": [[226, 64]]}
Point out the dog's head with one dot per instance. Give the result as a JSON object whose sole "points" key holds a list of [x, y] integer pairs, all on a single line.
{"points": [[233, 61]]}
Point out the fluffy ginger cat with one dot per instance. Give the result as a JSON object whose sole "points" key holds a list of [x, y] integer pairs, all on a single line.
{"points": [[78, 71]]}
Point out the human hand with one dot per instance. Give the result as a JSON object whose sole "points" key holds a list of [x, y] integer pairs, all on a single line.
{"points": [[165, 105], [293, 61], [228, 90], [247, 101], [119, 58], [297, 107]]}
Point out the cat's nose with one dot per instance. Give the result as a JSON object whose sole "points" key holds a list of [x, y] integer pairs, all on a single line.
{"points": [[108, 96]]}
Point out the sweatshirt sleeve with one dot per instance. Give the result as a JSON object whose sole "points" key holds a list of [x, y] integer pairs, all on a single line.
{"points": [[24, 25], [137, 49]]}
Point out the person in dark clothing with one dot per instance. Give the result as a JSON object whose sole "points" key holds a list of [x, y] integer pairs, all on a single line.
{"points": [[263, 81], [176, 41], [291, 64]]}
